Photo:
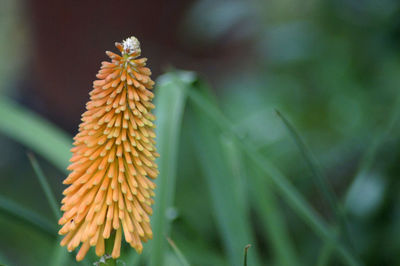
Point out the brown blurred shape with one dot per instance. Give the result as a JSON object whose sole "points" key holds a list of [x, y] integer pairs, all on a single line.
{"points": [[69, 40]]}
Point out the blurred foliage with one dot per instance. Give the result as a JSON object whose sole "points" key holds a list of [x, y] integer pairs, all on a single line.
{"points": [[13, 42], [332, 68]]}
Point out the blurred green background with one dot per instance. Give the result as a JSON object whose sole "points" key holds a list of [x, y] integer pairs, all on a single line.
{"points": [[284, 135]]}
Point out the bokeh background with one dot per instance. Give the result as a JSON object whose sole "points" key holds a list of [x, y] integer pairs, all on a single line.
{"points": [[331, 67]]}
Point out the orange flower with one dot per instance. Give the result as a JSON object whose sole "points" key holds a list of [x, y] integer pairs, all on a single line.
{"points": [[113, 159]]}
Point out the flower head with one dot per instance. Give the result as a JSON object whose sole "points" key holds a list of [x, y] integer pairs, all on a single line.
{"points": [[110, 192], [131, 45]]}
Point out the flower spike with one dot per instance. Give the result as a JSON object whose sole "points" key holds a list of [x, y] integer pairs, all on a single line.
{"points": [[110, 187]]}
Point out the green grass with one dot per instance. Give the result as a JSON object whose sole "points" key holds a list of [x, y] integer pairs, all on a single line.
{"points": [[286, 190], [170, 104], [240, 182], [31, 130], [178, 252]]}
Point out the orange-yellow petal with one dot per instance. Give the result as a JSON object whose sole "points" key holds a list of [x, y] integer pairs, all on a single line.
{"points": [[113, 159]]}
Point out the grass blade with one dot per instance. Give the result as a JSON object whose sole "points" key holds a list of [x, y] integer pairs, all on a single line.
{"points": [[60, 255], [14, 209], [319, 177], [320, 180], [284, 187], [325, 254], [232, 222], [297, 202], [178, 252], [264, 202], [132, 258], [29, 129], [51, 199], [275, 227], [170, 102], [230, 213], [368, 158], [235, 167]]}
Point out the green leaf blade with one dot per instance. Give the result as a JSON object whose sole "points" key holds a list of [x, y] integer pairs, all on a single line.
{"points": [[31, 130], [170, 103]]}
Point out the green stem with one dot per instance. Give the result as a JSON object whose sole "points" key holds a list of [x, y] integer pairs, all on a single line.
{"points": [[106, 259], [246, 248]]}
